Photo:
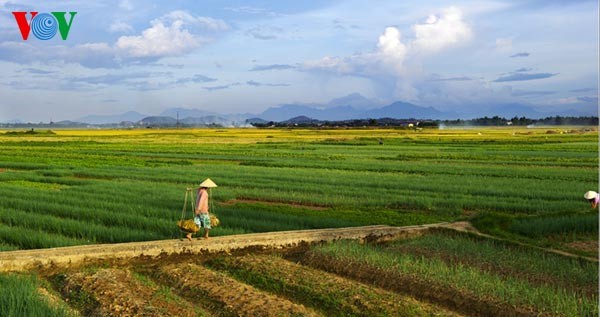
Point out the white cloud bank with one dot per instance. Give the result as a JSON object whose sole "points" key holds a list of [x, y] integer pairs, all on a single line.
{"points": [[441, 32], [168, 36], [174, 34], [437, 33], [158, 41]]}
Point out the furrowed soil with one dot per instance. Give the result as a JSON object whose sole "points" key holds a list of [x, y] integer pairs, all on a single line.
{"points": [[199, 283], [117, 292], [332, 294], [289, 280]]}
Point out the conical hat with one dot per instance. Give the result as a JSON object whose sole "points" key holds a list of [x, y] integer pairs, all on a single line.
{"points": [[208, 183], [590, 195]]}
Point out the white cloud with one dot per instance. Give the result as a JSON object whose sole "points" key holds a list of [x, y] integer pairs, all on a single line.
{"points": [[398, 61], [173, 34], [440, 32], [391, 48], [207, 23], [169, 35], [436, 34], [158, 41], [120, 27]]}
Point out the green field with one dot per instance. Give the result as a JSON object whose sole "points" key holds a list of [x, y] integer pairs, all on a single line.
{"points": [[105, 186], [74, 187], [473, 274]]}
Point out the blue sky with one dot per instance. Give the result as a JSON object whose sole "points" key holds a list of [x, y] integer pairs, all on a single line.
{"points": [[245, 56]]}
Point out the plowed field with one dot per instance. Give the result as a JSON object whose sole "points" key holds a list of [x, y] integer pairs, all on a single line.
{"points": [[317, 276]]}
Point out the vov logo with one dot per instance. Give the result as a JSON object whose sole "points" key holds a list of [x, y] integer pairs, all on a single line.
{"points": [[44, 25]]}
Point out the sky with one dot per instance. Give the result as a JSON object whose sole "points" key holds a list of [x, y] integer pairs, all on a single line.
{"points": [[246, 56]]}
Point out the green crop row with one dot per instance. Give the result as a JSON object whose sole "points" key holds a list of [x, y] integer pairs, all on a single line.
{"points": [[134, 181], [323, 291], [535, 227], [19, 296], [502, 258], [483, 284]]}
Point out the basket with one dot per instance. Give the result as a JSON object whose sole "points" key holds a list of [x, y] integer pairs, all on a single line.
{"points": [[188, 226], [214, 221]]}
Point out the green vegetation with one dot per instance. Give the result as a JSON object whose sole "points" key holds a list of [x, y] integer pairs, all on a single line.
{"points": [[80, 187], [490, 271], [323, 291], [20, 296], [30, 132], [536, 227]]}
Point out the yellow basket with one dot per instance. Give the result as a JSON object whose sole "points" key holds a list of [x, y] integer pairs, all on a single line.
{"points": [[214, 221], [188, 226]]}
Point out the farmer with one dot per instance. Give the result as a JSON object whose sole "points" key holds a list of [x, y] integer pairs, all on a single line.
{"points": [[593, 198], [202, 218]]}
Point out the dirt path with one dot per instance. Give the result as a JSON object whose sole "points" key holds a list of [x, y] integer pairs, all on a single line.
{"points": [[466, 226], [24, 260]]}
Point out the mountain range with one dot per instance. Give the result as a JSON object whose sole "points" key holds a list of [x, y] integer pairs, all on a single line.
{"points": [[353, 106]]}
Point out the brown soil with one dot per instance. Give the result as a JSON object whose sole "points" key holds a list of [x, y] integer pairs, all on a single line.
{"points": [[116, 292], [455, 299], [587, 246], [240, 299], [349, 297], [462, 226], [272, 203], [56, 302]]}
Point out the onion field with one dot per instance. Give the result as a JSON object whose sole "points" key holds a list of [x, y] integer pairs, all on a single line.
{"points": [[522, 189], [106, 186]]}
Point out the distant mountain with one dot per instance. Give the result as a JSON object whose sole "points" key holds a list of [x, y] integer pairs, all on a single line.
{"points": [[354, 100], [185, 113], [285, 112], [301, 120], [101, 119], [256, 121], [157, 121], [344, 108], [405, 110], [398, 110], [68, 123], [351, 107], [206, 120], [203, 120]]}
